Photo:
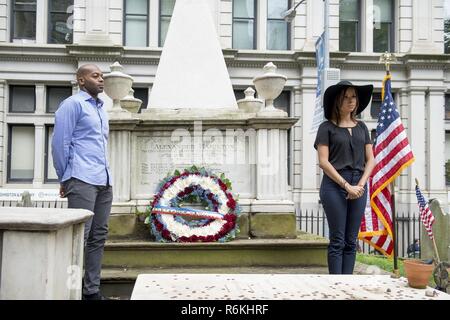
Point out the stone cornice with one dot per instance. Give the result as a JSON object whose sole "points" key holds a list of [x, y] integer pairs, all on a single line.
{"points": [[272, 123], [221, 124], [146, 56], [257, 59], [233, 58], [308, 87], [173, 124], [362, 61], [415, 89], [437, 90], [427, 61], [123, 124], [34, 53], [95, 53]]}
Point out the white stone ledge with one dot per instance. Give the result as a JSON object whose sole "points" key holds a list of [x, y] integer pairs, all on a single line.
{"points": [[41, 219]]}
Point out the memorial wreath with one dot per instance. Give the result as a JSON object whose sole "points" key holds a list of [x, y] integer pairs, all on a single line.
{"points": [[171, 221]]}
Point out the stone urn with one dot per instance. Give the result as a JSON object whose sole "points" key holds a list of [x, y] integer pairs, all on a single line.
{"points": [[418, 273], [117, 85], [130, 103], [250, 104], [269, 86]]}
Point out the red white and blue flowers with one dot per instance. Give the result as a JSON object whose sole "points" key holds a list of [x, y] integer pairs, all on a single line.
{"points": [[216, 223]]}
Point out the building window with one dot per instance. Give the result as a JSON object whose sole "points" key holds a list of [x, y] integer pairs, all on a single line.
{"points": [[375, 107], [383, 27], [136, 23], [165, 14], [244, 24], [49, 170], [446, 26], [23, 19], [373, 135], [447, 107], [22, 99], [21, 153], [60, 21], [141, 93], [278, 34], [239, 94], [56, 95], [283, 102], [349, 34]]}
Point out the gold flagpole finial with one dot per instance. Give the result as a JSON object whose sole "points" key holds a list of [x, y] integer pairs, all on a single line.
{"points": [[417, 182], [387, 58]]}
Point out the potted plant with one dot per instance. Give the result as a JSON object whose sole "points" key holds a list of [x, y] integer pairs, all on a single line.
{"points": [[418, 273]]}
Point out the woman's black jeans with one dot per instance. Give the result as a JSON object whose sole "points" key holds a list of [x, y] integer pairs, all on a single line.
{"points": [[344, 219]]}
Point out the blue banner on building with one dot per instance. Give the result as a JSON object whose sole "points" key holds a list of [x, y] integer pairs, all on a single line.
{"points": [[318, 116]]}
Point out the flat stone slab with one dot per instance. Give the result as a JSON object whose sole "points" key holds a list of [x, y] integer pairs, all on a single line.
{"points": [[277, 287], [40, 219]]}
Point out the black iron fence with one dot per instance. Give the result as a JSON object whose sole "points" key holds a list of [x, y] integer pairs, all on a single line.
{"points": [[407, 229], [312, 221]]}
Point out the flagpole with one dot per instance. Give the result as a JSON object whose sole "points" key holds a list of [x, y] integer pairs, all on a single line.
{"points": [[394, 218], [387, 58], [436, 251], [434, 240], [394, 230]]}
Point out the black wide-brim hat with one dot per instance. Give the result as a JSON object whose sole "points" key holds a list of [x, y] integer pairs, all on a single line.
{"points": [[364, 95]]}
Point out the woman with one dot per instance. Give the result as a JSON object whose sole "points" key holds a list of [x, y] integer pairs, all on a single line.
{"points": [[345, 155]]}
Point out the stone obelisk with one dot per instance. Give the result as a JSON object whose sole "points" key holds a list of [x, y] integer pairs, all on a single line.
{"points": [[192, 73]]}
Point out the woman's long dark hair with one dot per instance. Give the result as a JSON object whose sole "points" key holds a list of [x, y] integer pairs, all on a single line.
{"points": [[338, 102]]}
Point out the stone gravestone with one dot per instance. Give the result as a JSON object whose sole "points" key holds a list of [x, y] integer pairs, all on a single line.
{"points": [[41, 253], [25, 200], [441, 231]]}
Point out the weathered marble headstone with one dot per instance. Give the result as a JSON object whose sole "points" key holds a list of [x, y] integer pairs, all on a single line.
{"points": [[41, 253], [441, 231], [25, 200]]}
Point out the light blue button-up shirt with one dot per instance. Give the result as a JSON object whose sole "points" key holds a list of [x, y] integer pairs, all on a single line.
{"points": [[80, 140]]}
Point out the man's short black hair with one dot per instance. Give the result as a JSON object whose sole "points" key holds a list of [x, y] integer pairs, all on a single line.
{"points": [[85, 68]]}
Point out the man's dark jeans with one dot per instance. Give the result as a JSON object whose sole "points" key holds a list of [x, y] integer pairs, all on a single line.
{"points": [[98, 199]]}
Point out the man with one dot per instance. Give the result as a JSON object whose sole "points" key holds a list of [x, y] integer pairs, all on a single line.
{"points": [[413, 250], [79, 149]]}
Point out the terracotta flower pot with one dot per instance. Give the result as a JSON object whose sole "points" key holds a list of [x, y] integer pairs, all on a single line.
{"points": [[417, 273]]}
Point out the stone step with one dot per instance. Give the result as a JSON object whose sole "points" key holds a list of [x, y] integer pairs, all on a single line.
{"points": [[124, 225], [305, 250]]}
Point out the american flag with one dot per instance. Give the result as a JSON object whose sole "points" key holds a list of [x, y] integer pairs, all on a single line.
{"points": [[425, 213], [392, 154]]}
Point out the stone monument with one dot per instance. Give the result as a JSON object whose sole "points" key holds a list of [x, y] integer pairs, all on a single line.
{"points": [[41, 253], [193, 118], [441, 232]]}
